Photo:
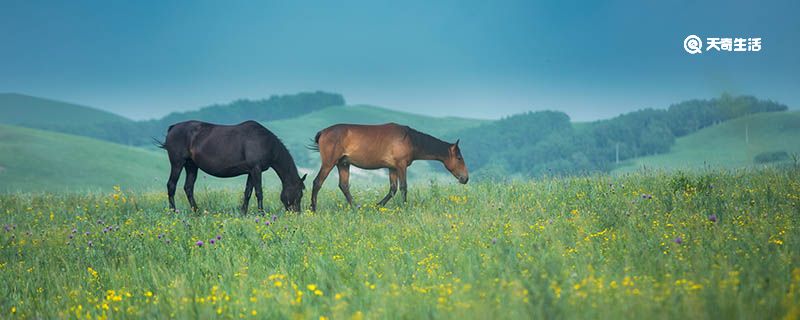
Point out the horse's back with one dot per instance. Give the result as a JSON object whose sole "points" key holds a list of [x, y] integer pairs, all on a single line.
{"points": [[366, 146]]}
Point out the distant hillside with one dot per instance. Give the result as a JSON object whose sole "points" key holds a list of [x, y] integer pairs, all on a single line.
{"points": [[547, 143], [274, 108], [731, 144], [32, 112], [23, 110], [37, 160]]}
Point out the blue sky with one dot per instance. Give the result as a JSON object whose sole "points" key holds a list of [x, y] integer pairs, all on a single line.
{"points": [[143, 59]]}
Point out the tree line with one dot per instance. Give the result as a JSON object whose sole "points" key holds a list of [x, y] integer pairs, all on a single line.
{"points": [[548, 143], [138, 133]]}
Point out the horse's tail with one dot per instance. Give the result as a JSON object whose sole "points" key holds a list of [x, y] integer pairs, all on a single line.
{"points": [[315, 145], [159, 143]]}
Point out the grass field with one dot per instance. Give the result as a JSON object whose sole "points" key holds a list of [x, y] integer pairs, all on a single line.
{"points": [[643, 246], [727, 145]]}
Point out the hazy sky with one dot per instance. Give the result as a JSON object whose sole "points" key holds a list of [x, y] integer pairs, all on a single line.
{"points": [[477, 59]]}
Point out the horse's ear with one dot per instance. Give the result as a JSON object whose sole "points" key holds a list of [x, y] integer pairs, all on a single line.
{"points": [[457, 140], [304, 177]]}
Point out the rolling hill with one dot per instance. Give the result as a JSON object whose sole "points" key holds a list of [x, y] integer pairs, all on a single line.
{"points": [[24, 110], [726, 146], [38, 160]]}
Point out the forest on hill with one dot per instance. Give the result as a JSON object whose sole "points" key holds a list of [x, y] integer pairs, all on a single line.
{"points": [[46, 114], [548, 143]]}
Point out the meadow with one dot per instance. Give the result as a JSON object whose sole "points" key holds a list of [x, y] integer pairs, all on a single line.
{"points": [[653, 245]]}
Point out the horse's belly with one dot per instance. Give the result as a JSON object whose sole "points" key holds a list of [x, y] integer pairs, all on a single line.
{"points": [[367, 164], [219, 170], [223, 174]]}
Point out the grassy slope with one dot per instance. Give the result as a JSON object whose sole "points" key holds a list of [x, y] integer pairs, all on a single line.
{"points": [[575, 248], [42, 160], [37, 160], [724, 146], [27, 110]]}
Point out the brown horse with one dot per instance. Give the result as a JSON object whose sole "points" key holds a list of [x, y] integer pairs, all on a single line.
{"points": [[389, 146]]}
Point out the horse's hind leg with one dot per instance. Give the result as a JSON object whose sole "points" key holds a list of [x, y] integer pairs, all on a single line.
{"points": [[392, 187], [256, 174], [344, 181], [188, 186], [248, 191], [324, 170], [174, 174]]}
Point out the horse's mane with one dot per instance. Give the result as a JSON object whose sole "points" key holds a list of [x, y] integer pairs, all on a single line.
{"points": [[426, 144]]}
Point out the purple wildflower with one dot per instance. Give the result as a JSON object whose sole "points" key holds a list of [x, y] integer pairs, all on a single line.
{"points": [[219, 237], [274, 217], [160, 236], [71, 236], [494, 240], [678, 240], [212, 241], [74, 230], [258, 220], [87, 233], [199, 243], [712, 217], [90, 243], [267, 223]]}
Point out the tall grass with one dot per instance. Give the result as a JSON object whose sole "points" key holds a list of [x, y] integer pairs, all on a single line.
{"points": [[647, 245]]}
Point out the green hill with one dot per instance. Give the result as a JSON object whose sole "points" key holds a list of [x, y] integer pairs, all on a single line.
{"points": [[731, 144], [19, 109], [37, 160]]}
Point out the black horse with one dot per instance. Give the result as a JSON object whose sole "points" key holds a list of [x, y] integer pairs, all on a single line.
{"points": [[229, 151]]}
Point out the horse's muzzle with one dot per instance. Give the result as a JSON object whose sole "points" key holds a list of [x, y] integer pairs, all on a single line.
{"points": [[463, 180]]}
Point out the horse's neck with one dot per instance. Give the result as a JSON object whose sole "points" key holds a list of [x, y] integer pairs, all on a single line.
{"points": [[285, 169], [430, 148]]}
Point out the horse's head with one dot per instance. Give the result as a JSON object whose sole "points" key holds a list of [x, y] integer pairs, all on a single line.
{"points": [[293, 193], [455, 164]]}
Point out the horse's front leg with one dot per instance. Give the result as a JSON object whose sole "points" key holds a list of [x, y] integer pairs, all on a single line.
{"points": [[392, 187], [401, 175]]}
